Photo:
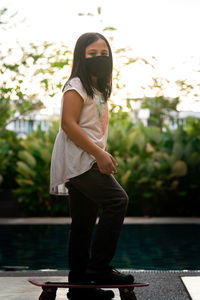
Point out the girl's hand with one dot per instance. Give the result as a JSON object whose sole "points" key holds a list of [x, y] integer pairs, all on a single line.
{"points": [[106, 163]]}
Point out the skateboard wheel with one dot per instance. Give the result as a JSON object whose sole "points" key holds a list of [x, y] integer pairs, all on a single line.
{"points": [[127, 294], [48, 293]]}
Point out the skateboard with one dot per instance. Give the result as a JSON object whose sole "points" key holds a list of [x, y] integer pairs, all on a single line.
{"points": [[49, 288]]}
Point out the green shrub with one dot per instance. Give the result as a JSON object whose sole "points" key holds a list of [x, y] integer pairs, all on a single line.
{"points": [[158, 169], [9, 147], [33, 168]]}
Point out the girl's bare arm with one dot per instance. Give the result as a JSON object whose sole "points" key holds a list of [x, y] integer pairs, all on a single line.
{"points": [[72, 105]]}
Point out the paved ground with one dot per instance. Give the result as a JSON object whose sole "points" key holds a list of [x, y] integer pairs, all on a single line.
{"points": [[164, 285]]}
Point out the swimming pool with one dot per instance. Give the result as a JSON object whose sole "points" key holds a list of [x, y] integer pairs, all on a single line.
{"points": [[148, 246]]}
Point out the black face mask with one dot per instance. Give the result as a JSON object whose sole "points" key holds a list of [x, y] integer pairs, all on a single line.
{"points": [[99, 66]]}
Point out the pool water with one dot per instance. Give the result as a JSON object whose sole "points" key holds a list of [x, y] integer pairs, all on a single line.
{"points": [[153, 247]]}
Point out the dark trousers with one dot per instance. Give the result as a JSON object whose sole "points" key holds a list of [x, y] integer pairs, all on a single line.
{"points": [[88, 193]]}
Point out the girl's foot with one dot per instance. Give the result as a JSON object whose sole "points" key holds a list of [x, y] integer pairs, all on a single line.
{"points": [[109, 275], [91, 293]]}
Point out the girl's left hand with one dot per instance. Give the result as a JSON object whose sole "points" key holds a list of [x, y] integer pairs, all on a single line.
{"points": [[106, 162]]}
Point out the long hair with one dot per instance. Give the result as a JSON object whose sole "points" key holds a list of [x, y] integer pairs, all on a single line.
{"points": [[79, 66]]}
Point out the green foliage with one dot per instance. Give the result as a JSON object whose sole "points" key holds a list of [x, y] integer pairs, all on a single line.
{"points": [[33, 168], [35, 67], [158, 169], [9, 147], [160, 109]]}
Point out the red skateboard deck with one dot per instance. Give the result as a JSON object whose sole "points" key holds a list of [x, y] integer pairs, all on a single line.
{"points": [[49, 288], [67, 285]]}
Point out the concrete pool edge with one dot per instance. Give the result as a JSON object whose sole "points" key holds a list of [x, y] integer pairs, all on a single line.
{"points": [[52, 273], [128, 220]]}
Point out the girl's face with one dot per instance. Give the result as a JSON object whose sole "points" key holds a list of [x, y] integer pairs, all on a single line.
{"points": [[98, 48]]}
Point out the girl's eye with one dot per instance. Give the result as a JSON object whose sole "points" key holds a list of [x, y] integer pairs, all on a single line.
{"points": [[104, 53], [92, 53]]}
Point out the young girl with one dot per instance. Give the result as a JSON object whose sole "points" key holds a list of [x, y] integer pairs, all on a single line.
{"points": [[82, 168]]}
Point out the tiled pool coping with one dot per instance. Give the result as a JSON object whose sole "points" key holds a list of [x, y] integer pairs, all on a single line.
{"points": [[128, 220], [52, 273]]}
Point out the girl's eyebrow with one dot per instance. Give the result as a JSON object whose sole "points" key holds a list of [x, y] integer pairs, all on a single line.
{"points": [[96, 49], [92, 49]]}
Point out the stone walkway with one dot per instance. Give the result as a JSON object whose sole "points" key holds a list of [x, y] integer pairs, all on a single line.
{"points": [[164, 285]]}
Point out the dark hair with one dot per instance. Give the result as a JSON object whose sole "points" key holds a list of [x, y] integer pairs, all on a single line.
{"points": [[79, 66]]}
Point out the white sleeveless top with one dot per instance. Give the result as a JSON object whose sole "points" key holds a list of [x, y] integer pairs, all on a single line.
{"points": [[68, 160]]}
